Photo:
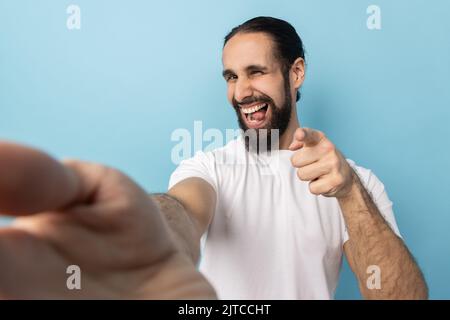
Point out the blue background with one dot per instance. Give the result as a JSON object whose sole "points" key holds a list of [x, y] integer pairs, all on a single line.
{"points": [[114, 91]]}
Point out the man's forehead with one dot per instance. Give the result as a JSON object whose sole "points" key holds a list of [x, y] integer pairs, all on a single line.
{"points": [[246, 49]]}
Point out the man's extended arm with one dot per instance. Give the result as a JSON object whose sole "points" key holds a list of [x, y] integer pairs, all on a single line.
{"points": [[188, 207], [373, 243], [89, 216]]}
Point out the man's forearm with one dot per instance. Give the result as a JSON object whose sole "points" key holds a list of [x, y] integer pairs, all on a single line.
{"points": [[372, 242], [184, 230]]}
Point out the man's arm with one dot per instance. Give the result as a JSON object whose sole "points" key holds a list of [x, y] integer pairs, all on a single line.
{"points": [[373, 243], [188, 207], [89, 216]]}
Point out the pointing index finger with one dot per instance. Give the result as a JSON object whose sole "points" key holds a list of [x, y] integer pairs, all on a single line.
{"points": [[305, 137]]}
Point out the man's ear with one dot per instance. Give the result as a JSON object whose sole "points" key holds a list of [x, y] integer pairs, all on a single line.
{"points": [[298, 72]]}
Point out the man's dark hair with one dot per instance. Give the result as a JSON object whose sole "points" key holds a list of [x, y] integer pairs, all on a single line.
{"points": [[288, 45]]}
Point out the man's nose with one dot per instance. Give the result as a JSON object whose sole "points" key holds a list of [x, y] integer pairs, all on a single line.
{"points": [[243, 90]]}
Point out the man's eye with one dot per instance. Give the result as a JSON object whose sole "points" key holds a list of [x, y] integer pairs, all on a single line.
{"points": [[231, 77], [257, 72]]}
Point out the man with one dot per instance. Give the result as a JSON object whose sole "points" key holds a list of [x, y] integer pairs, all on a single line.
{"points": [[282, 235], [274, 224]]}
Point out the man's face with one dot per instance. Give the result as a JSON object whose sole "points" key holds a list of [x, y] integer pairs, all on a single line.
{"points": [[256, 86]]}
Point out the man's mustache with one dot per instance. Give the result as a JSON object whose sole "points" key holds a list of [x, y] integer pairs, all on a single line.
{"points": [[248, 100]]}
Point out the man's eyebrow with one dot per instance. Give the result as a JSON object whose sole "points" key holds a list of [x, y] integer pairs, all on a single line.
{"points": [[256, 67], [227, 72], [248, 69]]}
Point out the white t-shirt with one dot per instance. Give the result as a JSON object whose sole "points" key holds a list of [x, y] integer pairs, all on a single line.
{"points": [[270, 237]]}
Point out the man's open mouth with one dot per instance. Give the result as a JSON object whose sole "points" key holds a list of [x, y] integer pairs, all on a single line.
{"points": [[256, 115]]}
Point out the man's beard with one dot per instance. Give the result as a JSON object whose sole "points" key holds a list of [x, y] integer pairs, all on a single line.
{"points": [[280, 117]]}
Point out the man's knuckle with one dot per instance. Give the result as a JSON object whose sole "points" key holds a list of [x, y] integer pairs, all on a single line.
{"points": [[327, 145], [334, 162], [301, 175], [314, 189]]}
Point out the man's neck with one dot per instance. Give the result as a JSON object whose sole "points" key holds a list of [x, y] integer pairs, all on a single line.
{"points": [[288, 135]]}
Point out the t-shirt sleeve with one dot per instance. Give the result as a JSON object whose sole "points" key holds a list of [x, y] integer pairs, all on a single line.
{"points": [[379, 195], [200, 166]]}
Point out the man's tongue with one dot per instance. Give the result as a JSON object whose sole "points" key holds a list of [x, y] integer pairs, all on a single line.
{"points": [[258, 115]]}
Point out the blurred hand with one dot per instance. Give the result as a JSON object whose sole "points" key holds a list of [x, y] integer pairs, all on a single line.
{"points": [[91, 216]]}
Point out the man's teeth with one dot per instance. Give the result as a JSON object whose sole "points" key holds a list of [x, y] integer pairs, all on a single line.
{"points": [[253, 109]]}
